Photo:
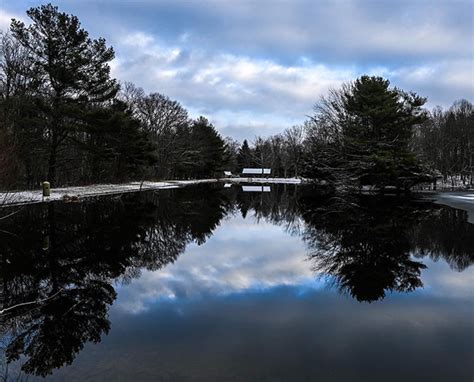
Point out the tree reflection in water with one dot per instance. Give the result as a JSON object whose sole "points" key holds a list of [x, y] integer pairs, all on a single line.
{"points": [[369, 245], [363, 244], [60, 262], [58, 268]]}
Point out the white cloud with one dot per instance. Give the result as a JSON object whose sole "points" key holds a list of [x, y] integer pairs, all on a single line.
{"points": [[349, 29], [258, 67], [261, 96], [6, 18], [442, 82], [235, 90], [138, 39], [437, 279]]}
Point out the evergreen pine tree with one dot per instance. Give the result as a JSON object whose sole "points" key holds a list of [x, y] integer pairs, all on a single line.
{"points": [[73, 68], [208, 147], [117, 148], [377, 132], [362, 134], [244, 156]]}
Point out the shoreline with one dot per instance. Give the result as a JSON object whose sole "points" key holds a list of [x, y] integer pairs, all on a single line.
{"points": [[77, 193], [74, 193], [459, 200]]}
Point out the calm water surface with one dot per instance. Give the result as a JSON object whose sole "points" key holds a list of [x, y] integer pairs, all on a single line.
{"points": [[208, 283]]}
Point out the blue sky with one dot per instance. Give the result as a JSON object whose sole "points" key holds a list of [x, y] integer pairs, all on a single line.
{"points": [[257, 67]]}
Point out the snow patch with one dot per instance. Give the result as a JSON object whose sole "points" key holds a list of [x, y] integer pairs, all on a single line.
{"points": [[462, 200]]}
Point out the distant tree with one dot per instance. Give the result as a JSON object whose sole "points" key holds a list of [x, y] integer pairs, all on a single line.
{"points": [[244, 156], [209, 148], [162, 119], [262, 155], [445, 142], [279, 159], [184, 148], [282, 153], [293, 141], [160, 115], [72, 68], [231, 154], [132, 96]]}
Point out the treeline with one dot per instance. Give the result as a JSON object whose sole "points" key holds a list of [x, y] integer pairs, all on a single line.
{"points": [[283, 153], [63, 118], [367, 133], [445, 143]]}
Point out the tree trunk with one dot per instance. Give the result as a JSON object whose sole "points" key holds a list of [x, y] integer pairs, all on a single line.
{"points": [[52, 165], [472, 168]]}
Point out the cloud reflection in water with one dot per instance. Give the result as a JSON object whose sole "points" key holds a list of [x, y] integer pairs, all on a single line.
{"points": [[248, 255]]}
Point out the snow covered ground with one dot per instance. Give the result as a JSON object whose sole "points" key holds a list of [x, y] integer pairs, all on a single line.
{"points": [[73, 193], [460, 200]]}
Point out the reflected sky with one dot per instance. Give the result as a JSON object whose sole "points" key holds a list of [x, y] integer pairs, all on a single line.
{"points": [[243, 255], [251, 255], [280, 334]]}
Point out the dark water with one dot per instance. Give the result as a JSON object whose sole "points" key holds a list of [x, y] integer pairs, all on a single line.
{"points": [[206, 283]]}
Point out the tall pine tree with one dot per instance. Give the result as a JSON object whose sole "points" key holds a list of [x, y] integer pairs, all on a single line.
{"points": [[362, 133], [74, 71]]}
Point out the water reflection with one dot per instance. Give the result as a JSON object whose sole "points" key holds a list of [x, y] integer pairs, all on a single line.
{"points": [[58, 264], [61, 263], [367, 243]]}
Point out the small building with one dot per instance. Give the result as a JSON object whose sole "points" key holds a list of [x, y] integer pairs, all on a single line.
{"points": [[256, 188], [256, 171]]}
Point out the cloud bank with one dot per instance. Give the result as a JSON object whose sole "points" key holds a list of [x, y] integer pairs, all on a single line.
{"points": [[258, 67]]}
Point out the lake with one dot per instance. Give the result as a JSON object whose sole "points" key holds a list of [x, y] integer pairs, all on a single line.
{"points": [[214, 283]]}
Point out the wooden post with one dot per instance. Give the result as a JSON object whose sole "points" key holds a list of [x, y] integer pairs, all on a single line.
{"points": [[45, 242], [46, 189]]}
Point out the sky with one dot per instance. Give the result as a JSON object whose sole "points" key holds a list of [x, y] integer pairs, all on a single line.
{"points": [[258, 67]]}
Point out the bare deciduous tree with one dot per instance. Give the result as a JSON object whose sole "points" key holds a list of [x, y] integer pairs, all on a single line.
{"points": [[293, 141]]}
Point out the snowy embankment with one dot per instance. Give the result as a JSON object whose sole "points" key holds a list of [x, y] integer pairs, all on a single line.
{"points": [[460, 200], [72, 193], [76, 193]]}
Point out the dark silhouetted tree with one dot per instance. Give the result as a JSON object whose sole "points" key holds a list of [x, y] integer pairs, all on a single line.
{"points": [[363, 133], [72, 68], [244, 157]]}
